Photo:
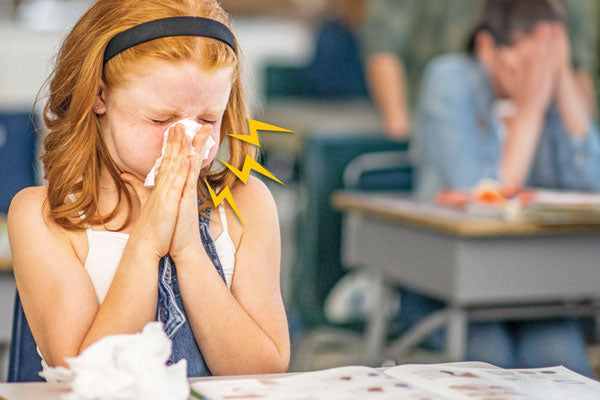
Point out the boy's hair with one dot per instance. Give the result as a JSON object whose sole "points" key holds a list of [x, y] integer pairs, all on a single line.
{"points": [[502, 18], [74, 149]]}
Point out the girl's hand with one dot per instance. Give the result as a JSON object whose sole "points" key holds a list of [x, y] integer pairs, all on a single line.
{"points": [[186, 243], [159, 206]]}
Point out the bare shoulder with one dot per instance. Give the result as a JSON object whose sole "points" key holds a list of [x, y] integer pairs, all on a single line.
{"points": [[257, 210], [29, 222], [255, 202], [27, 208]]}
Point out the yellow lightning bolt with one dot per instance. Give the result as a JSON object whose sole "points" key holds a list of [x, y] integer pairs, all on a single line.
{"points": [[249, 165], [254, 126], [224, 195]]}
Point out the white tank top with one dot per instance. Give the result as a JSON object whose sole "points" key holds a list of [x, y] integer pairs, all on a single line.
{"points": [[106, 248]]}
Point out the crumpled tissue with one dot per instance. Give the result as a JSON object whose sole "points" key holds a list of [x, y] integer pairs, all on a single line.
{"points": [[120, 367], [191, 128]]}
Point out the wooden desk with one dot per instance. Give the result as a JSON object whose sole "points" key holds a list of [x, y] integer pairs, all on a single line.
{"points": [[5, 264], [7, 297], [5, 261], [484, 269]]}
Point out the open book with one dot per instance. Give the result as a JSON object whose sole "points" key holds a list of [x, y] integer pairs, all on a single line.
{"points": [[410, 382]]}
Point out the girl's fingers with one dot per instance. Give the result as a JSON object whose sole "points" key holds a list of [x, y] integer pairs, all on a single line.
{"points": [[192, 177], [169, 172], [178, 180], [201, 137], [173, 165], [178, 145], [196, 160], [176, 135], [199, 142]]}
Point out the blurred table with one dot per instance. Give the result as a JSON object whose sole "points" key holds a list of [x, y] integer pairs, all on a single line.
{"points": [[7, 297], [5, 258], [483, 268], [5, 264]]}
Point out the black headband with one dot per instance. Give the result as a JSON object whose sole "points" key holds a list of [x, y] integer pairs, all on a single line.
{"points": [[173, 26]]}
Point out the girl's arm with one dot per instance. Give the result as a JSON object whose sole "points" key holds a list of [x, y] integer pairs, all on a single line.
{"points": [[242, 331], [57, 294]]}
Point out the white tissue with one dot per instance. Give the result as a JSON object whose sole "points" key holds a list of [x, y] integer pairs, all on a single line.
{"points": [[120, 367], [191, 128]]}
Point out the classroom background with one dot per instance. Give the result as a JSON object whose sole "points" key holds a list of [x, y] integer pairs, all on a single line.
{"points": [[305, 71]]}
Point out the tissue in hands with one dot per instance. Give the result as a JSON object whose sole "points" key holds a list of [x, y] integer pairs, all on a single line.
{"points": [[125, 367], [191, 128]]}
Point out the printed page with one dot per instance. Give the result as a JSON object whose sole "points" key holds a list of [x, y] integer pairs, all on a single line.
{"points": [[348, 383], [457, 383]]}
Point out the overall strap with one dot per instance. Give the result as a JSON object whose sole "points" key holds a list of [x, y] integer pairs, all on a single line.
{"points": [[209, 243], [168, 311]]}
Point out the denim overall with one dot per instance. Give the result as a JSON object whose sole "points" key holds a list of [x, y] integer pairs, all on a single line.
{"points": [[170, 309]]}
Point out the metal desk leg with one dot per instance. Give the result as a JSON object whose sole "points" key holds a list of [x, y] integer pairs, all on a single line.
{"points": [[418, 333], [456, 335], [377, 321]]}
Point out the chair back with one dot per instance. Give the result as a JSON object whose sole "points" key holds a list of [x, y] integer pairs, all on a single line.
{"points": [[25, 363], [322, 168], [17, 155]]}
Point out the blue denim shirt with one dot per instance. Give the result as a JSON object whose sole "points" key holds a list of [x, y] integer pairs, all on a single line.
{"points": [[171, 311], [459, 135]]}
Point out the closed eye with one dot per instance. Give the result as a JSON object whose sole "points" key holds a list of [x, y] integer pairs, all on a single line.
{"points": [[161, 122]]}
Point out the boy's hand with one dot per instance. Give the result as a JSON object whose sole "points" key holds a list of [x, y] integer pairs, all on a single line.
{"points": [[533, 73], [562, 47]]}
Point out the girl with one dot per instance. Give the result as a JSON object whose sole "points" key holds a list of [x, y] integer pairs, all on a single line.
{"points": [[111, 255]]}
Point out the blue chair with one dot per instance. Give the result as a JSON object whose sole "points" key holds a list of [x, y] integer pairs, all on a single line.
{"points": [[17, 171], [363, 162], [17, 155], [25, 362]]}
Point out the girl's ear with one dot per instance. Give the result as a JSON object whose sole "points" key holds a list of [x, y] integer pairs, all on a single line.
{"points": [[100, 103]]}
